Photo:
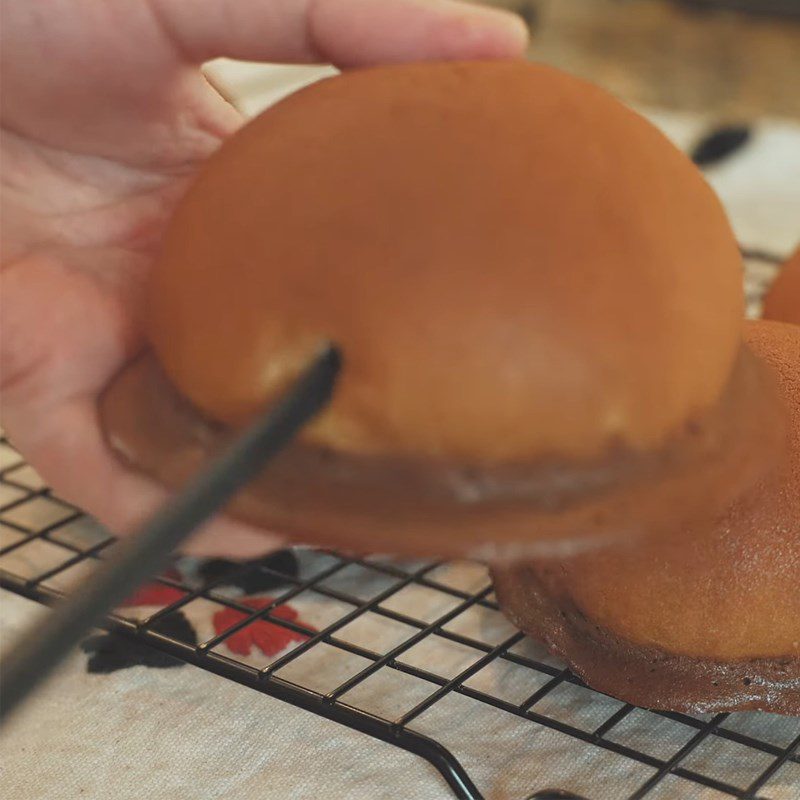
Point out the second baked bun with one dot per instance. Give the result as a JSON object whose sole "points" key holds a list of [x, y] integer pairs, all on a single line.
{"points": [[704, 623], [783, 299]]}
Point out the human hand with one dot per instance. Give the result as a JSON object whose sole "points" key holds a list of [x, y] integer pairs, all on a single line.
{"points": [[105, 116]]}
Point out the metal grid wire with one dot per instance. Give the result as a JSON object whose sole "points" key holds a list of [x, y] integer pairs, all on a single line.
{"points": [[47, 545]]}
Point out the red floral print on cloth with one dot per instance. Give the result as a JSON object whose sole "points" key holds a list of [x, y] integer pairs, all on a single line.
{"points": [[156, 594], [268, 637]]}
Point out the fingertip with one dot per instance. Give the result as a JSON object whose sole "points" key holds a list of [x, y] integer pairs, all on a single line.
{"points": [[483, 33]]}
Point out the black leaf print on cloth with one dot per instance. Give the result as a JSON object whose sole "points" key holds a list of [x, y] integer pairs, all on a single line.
{"points": [[247, 576], [110, 652]]}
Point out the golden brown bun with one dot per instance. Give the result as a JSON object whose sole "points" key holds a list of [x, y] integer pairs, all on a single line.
{"points": [[514, 264], [708, 621], [783, 300]]}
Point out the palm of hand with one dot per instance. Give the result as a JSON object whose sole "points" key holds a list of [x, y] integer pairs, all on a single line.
{"points": [[105, 117], [86, 195]]}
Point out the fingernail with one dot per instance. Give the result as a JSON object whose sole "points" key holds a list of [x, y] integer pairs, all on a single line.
{"points": [[495, 31], [507, 22]]}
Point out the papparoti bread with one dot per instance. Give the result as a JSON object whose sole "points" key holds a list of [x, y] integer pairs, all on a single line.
{"points": [[512, 262], [524, 277]]}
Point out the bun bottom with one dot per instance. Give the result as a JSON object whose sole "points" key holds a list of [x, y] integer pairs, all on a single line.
{"points": [[640, 674], [416, 508]]}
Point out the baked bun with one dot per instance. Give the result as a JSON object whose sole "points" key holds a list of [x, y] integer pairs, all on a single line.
{"points": [[708, 622], [536, 296], [783, 299]]}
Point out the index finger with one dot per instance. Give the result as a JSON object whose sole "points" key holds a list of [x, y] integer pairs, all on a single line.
{"points": [[343, 32]]}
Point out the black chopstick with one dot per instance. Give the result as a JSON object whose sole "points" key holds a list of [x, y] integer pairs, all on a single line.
{"points": [[143, 555]]}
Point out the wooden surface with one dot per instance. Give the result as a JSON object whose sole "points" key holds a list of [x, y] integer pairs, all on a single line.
{"points": [[658, 53]]}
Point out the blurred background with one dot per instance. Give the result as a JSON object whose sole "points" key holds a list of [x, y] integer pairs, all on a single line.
{"points": [[734, 58]]}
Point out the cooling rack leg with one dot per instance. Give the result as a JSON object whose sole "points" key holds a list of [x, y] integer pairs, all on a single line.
{"points": [[445, 762], [435, 754]]}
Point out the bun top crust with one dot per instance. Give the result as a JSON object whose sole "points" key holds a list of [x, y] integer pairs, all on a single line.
{"points": [[514, 265]]}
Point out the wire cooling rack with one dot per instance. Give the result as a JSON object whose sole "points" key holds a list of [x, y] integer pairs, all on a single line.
{"points": [[381, 621]]}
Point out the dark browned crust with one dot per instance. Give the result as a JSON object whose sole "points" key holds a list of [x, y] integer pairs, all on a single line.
{"points": [[640, 674], [427, 508]]}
